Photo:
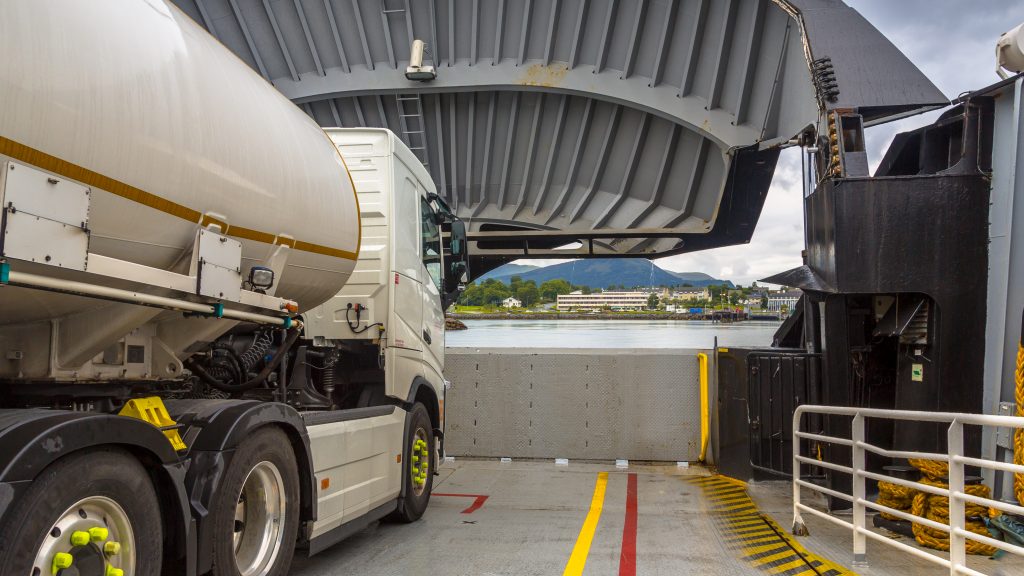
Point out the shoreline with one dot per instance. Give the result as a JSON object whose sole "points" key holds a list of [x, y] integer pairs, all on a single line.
{"points": [[723, 318]]}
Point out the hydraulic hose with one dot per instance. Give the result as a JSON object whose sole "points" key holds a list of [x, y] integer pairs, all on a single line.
{"points": [[293, 335]]}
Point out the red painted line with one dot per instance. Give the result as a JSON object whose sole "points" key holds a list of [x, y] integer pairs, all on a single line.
{"points": [[627, 559], [478, 500]]}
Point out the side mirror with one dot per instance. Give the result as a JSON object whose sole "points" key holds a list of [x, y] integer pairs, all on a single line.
{"points": [[458, 240]]}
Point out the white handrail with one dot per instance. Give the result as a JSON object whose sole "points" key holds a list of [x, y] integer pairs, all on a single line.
{"points": [[956, 490]]}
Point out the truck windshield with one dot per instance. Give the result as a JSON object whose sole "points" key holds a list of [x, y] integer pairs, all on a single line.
{"points": [[431, 234]]}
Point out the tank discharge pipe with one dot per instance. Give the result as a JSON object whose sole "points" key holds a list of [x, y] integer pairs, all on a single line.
{"points": [[130, 297]]}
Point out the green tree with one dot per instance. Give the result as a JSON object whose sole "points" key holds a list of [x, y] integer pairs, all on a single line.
{"points": [[527, 293], [491, 293], [470, 296], [550, 290], [514, 283], [652, 302], [586, 290], [716, 293]]}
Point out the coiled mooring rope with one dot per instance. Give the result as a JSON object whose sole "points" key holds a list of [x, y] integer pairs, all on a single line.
{"points": [[1018, 434], [895, 496], [936, 508]]}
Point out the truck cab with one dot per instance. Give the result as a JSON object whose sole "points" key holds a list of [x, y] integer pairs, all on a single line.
{"points": [[396, 294]]}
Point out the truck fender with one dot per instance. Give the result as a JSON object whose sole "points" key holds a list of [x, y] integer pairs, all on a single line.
{"points": [[430, 400], [216, 428], [433, 409], [31, 440]]}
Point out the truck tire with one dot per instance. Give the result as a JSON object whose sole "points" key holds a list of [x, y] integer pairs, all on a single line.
{"points": [[418, 473], [255, 517], [89, 511]]}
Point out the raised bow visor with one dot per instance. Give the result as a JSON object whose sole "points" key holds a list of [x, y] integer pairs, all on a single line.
{"points": [[568, 128]]}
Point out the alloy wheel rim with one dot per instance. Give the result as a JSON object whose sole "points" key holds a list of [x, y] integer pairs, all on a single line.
{"points": [[258, 530], [419, 461], [93, 537]]}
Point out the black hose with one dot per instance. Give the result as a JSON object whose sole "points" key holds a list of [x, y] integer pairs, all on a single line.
{"points": [[230, 357], [255, 381]]}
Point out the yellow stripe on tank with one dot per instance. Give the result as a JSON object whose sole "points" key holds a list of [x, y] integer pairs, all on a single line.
{"points": [[93, 179]]}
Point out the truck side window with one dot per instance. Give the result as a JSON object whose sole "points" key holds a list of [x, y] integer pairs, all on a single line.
{"points": [[431, 242]]}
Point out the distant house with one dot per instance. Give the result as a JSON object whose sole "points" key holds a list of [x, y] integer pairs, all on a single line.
{"points": [[692, 294], [788, 299], [511, 302]]}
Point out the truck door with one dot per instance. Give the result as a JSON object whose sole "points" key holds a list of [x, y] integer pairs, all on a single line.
{"points": [[433, 313], [406, 324]]}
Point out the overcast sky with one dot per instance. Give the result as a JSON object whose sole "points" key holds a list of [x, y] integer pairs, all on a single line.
{"points": [[951, 41]]}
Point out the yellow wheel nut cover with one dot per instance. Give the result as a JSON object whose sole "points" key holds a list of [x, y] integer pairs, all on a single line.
{"points": [[111, 571], [80, 538], [98, 534], [112, 548], [62, 560]]}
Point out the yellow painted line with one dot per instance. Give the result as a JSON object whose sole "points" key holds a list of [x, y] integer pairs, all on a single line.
{"points": [[787, 566], [773, 551], [751, 532], [744, 523], [720, 497], [787, 553], [754, 536], [581, 550], [753, 541]]}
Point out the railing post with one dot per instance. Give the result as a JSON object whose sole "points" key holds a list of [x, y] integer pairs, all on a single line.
{"points": [[957, 512], [860, 552], [799, 528]]}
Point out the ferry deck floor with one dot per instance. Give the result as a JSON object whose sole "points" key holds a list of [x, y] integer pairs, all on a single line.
{"points": [[538, 518]]}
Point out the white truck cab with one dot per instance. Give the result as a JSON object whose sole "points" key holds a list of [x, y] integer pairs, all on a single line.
{"points": [[395, 292]]}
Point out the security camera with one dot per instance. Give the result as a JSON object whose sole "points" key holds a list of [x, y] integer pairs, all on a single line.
{"points": [[416, 70]]}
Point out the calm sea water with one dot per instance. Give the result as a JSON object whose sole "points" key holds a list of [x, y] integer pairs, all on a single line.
{"points": [[608, 334]]}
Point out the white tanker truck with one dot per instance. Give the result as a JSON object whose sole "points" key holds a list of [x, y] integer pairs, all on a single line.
{"points": [[217, 342]]}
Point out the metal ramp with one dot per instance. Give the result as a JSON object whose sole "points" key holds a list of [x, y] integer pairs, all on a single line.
{"points": [[620, 128]]}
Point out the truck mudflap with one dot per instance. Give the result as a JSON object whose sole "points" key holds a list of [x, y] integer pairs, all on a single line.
{"points": [[32, 439], [212, 430]]}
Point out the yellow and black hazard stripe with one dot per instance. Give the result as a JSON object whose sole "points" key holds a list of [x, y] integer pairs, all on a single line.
{"points": [[755, 537]]}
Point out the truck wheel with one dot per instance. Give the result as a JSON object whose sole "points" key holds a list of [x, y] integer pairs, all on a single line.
{"points": [[256, 515], [93, 513], [419, 469]]}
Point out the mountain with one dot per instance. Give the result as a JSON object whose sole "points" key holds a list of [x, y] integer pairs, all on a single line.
{"points": [[692, 277], [604, 272], [506, 272]]}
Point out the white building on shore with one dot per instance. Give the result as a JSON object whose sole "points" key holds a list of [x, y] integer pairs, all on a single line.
{"points": [[788, 299], [511, 302], [611, 300]]}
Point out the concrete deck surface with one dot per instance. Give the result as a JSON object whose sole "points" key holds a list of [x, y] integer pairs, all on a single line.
{"points": [[534, 512]]}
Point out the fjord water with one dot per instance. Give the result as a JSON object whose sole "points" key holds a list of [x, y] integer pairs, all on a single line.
{"points": [[609, 334]]}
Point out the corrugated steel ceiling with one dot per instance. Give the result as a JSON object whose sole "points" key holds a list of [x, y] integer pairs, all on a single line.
{"points": [[615, 122]]}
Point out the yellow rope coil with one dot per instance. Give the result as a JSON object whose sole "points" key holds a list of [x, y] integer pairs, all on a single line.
{"points": [[895, 496], [936, 508], [931, 468], [1018, 434]]}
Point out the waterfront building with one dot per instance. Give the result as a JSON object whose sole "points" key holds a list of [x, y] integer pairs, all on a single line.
{"points": [[692, 294], [511, 302], [611, 300], [787, 298]]}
